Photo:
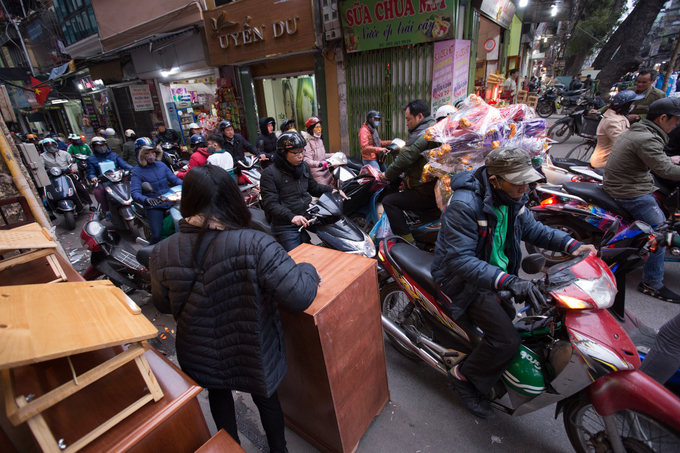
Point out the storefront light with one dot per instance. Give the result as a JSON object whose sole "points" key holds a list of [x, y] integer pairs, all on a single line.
{"points": [[168, 72], [80, 86], [523, 3], [553, 10]]}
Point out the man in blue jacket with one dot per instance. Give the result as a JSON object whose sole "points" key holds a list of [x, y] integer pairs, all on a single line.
{"points": [[478, 254], [152, 170], [97, 164]]}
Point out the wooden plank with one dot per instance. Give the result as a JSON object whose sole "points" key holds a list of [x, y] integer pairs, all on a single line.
{"points": [[24, 239], [221, 443], [49, 321], [41, 431], [149, 377], [56, 267], [11, 408], [24, 258]]}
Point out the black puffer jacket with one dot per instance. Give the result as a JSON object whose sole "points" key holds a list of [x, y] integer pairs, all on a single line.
{"points": [[283, 196], [229, 334], [265, 142], [168, 135], [236, 147]]}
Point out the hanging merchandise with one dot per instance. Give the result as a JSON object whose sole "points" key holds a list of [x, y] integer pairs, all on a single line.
{"points": [[227, 108]]}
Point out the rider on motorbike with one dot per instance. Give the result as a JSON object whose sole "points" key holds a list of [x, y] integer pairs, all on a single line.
{"points": [[198, 157], [77, 146], [315, 153], [102, 153], [234, 143], [165, 135], [478, 254], [54, 157], [369, 140], [155, 172]]}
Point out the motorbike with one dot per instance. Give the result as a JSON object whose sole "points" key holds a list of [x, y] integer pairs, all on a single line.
{"points": [[172, 156], [81, 162], [61, 196], [573, 352], [561, 170], [548, 102], [111, 257], [174, 195], [577, 122], [250, 174], [117, 186], [572, 99]]}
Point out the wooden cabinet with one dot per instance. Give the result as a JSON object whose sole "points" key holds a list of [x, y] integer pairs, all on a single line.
{"points": [[337, 376]]}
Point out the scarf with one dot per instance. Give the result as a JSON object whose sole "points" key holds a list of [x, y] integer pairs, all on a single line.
{"points": [[286, 166], [374, 132]]}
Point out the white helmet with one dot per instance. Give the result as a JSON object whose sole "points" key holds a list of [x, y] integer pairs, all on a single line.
{"points": [[194, 126], [110, 132], [444, 111], [129, 133]]}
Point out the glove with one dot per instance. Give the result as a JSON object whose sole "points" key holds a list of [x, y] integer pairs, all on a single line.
{"points": [[527, 292], [323, 165], [153, 201], [380, 157]]}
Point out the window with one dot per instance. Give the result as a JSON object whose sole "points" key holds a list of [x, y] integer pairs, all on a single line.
{"points": [[76, 19]]}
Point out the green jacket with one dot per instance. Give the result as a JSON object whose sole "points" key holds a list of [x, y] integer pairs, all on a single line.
{"points": [[410, 159], [637, 151], [642, 106], [82, 149]]}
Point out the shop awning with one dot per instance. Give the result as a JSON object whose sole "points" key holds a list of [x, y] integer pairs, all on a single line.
{"points": [[538, 11]]}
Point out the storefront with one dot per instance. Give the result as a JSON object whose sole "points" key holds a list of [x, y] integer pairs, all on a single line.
{"points": [[271, 64], [191, 101]]}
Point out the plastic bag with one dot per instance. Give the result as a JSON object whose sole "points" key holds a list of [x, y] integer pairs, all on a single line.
{"points": [[381, 229], [443, 192], [377, 183], [517, 113], [468, 124]]}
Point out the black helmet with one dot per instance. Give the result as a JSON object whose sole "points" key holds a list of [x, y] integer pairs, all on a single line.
{"points": [[290, 140], [624, 97], [286, 124], [197, 139], [372, 114], [225, 124]]}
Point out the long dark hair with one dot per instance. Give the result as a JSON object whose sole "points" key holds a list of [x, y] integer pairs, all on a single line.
{"points": [[209, 190]]}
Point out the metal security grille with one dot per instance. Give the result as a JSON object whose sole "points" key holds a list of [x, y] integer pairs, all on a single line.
{"points": [[386, 80]]}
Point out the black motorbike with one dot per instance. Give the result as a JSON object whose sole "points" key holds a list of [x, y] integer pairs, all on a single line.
{"points": [[578, 122], [117, 186], [172, 156], [81, 162], [61, 196], [547, 102], [570, 100]]}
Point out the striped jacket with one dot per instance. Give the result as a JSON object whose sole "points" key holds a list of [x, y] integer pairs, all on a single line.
{"points": [[461, 256]]}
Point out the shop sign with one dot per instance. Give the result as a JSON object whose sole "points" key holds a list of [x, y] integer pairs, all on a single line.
{"points": [[378, 24], [451, 67], [91, 111], [500, 11], [141, 98], [236, 33]]}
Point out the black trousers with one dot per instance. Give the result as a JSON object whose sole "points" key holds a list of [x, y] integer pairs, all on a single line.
{"points": [[500, 343], [81, 191], [223, 412], [408, 200]]}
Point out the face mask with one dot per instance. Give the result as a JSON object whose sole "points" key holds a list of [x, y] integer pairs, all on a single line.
{"points": [[77, 142], [100, 149], [376, 123], [211, 149], [52, 148], [151, 158]]}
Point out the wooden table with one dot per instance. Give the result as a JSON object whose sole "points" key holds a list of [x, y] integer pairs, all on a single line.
{"points": [[37, 243], [44, 322], [337, 377]]}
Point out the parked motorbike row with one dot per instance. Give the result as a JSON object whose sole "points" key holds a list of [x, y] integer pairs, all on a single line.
{"points": [[554, 99]]}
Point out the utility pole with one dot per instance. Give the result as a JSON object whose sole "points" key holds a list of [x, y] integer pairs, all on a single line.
{"points": [[671, 64], [16, 27]]}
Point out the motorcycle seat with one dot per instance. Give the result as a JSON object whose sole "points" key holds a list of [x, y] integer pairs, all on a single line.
{"points": [[594, 193], [566, 163], [416, 264], [259, 221], [354, 163], [573, 92]]}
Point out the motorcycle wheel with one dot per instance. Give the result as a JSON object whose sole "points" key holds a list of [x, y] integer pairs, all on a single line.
{"points": [[560, 132], [394, 301], [551, 257], [582, 151], [639, 432], [544, 110], [70, 220]]}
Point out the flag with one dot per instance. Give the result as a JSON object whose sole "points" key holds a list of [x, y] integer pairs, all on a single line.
{"points": [[41, 92]]}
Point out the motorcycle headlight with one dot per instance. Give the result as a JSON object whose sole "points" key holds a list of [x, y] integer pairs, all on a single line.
{"points": [[115, 176], [54, 171], [601, 290], [364, 248]]}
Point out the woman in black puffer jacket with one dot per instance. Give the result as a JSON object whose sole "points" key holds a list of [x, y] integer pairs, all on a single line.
{"points": [[222, 282], [266, 141]]}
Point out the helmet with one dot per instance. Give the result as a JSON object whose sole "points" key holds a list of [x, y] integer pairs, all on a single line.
{"points": [[290, 140], [47, 141], [82, 137], [31, 137], [197, 139], [444, 111], [224, 124], [129, 133], [74, 137], [286, 124], [194, 126], [97, 140], [624, 97], [144, 142], [311, 122], [110, 132], [371, 115], [49, 144]]}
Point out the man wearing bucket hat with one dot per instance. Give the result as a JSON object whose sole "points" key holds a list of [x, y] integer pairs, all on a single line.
{"points": [[478, 254]]}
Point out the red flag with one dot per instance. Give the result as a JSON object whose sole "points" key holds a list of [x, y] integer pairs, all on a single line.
{"points": [[41, 92]]}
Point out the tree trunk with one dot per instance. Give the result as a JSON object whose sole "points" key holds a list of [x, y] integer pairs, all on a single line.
{"points": [[624, 45], [574, 63], [645, 12], [671, 65]]}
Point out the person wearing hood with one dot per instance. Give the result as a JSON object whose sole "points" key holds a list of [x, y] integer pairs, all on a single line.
{"points": [[200, 154], [102, 153], [369, 140], [478, 254], [77, 146], [287, 189], [315, 153], [151, 169], [266, 141]]}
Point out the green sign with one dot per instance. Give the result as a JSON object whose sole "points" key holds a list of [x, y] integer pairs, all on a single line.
{"points": [[377, 24]]}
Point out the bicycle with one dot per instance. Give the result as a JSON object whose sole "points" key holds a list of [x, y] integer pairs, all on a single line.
{"points": [[583, 150]]}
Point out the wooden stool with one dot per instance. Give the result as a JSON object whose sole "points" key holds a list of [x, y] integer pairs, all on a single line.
{"points": [[30, 237], [532, 101]]}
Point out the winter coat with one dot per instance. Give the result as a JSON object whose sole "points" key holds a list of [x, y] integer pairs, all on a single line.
{"points": [[461, 256], [129, 153], [229, 333], [410, 159], [284, 197], [168, 135], [638, 150], [115, 144], [157, 174], [236, 147], [266, 143], [82, 149], [93, 161], [611, 126], [642, 106], [368, 147], [315, 153], [198, 158]]}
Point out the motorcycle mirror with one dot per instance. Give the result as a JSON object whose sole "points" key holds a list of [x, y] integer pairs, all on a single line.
{"points": [[610, 233], [534, 263], [147, 187]]}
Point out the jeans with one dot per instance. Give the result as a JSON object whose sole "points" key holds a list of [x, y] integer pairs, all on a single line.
{"points": [[271, 415], [663, 359], [289, 237], [408, 200], [374, 163], [155, 218], [645, 208]]}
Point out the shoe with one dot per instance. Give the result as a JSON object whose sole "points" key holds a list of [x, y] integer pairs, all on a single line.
{"points": [[662, 293], [475, 402], [108, 217]]}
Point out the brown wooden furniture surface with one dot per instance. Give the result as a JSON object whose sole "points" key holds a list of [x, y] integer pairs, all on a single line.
{"points": [[32, 242], [37, 271], [173, 424], [27, 214], [221, 443], [337, 377]]}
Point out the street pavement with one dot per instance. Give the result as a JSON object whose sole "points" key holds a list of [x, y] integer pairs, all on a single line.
{"points": [[423, 414]]}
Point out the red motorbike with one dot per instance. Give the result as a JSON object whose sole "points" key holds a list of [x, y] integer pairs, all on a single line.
{"points": [[573, 354]]}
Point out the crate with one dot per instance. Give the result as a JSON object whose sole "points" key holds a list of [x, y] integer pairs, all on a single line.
{"points": [[590, 123], [532, 101]]}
